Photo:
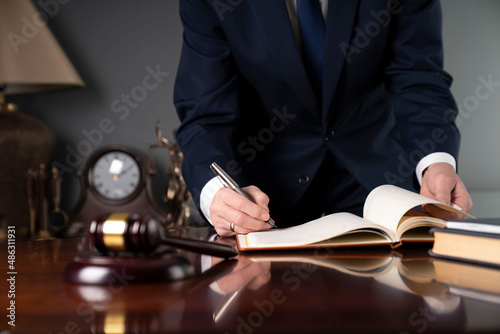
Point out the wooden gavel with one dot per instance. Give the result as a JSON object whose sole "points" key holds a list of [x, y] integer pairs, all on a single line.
{"points": [[126, 232]]}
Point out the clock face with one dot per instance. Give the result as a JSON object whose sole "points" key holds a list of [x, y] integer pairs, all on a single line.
{"points": [[116, 175]]}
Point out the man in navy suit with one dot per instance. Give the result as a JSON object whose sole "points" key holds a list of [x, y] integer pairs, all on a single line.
{"points": [[309, 120]]}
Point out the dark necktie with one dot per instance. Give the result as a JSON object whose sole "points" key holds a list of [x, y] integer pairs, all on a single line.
{"points": [[312, 29]]}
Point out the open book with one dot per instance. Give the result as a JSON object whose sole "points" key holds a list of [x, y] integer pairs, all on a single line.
{"points": [[384, 223]]}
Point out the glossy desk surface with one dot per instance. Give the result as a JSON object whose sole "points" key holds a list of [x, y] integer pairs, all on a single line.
{"points": [[354, 291]]}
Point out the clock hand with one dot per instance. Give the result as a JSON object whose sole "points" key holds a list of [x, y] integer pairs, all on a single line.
{"points": [[121, 172], [126, 169]]}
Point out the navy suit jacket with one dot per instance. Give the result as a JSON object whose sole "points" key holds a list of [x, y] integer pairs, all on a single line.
{"points": [[244, 99]]}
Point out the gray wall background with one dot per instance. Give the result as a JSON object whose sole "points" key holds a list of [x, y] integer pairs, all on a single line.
{"points": [[111, 43], [472, 49]]}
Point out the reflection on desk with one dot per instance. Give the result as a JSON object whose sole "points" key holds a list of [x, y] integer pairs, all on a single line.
{"points": [[471, 280], [358, 290]]}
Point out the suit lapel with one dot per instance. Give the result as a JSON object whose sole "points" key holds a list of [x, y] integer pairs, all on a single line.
{"points": [[272, 17], [339, 25]]}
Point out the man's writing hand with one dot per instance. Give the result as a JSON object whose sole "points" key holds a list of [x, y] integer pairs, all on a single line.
{"points": [[230, 207], [441, 182]]}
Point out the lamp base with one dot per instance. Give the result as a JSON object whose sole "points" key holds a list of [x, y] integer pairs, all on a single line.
{"points": [[25, 143]]}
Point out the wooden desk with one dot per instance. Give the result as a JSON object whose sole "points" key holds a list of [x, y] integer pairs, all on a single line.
{"points": [[365, 291]]}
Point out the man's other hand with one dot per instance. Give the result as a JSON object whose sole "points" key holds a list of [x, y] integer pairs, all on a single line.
{"points": [[441, 182]]}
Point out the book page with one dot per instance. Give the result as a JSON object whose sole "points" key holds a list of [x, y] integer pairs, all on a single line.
{"points": [[417, 227], [314, 231], [387, 204], [488, 225]]}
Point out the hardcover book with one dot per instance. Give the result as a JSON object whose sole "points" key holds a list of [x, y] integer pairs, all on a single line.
{"points": [[473, 241], [384, 223]]}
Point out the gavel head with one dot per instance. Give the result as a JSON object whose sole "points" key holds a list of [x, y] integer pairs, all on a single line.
{"points": [[125, 232]]}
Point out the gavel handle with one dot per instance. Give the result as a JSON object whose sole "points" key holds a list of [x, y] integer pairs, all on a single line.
{"points": [[200, 246]]}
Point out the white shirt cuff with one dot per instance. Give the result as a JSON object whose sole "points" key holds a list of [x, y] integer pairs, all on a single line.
{"points": [[207, 196], [433, 158]]}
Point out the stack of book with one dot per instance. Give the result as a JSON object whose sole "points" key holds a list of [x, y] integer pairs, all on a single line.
{"points": [[476, 246], [469, 240]]}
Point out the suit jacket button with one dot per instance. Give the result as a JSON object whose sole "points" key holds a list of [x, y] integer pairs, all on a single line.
{"points": [[329, 135], [303, 179]]}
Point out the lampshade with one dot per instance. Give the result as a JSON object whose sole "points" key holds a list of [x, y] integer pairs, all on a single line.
{"points": [[31, 59]]}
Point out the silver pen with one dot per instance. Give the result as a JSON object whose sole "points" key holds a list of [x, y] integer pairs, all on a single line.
{"points": [[228, 182]]}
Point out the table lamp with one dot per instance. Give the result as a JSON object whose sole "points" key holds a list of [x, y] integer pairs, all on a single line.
{"points": [[31, 61]]}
